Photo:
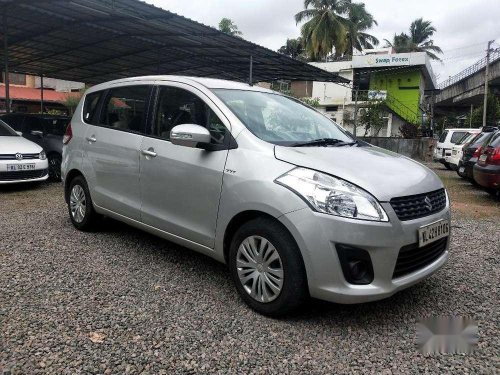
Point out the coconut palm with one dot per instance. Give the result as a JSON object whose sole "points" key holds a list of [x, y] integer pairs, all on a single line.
{"points": [[229, 27], [358, 22], [325, 26], [293, 48], [419, 39]]}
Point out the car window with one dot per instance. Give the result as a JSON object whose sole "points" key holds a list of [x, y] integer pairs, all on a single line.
{"points": [[466, 138], [456, 136], [125, 108], [443, 136], [90, 105], [178, 106], [55, 126], [6, 130], [14, 121], [32, 123], [495, 141]]}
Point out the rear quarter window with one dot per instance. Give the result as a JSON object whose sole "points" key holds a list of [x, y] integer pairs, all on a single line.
{"points": [[443, 136], [456, 136], [90, 108]]}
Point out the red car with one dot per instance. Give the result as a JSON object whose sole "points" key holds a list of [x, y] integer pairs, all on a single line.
{"points": [[487, 169]]}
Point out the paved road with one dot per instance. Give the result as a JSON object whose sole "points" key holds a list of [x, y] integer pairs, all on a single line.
{"points": [[122, 301]]}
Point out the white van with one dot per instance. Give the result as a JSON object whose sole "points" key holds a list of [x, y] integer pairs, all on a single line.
{"points": [[445, 143]]}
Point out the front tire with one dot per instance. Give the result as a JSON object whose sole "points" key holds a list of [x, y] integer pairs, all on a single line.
{"points": [[267, 268], [80, 207]]}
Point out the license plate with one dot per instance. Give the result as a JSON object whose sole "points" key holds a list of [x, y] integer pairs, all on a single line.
{"points": [[433, 232], [20, 167], [454, 152], [461, 169], [483, 157]]}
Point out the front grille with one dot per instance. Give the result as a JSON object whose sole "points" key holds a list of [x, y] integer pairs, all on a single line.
{"points": [[415, 206], [411, 258], [13, 156], [22, 175]]}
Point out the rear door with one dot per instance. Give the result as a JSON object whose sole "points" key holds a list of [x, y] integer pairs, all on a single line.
{"points": [[181, 186], [112, 148]]}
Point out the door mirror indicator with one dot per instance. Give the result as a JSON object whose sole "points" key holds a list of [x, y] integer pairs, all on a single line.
{"points": [[190, 135]]}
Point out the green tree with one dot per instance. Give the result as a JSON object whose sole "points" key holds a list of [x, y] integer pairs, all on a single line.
{"points": [[492, 113], [418, 39], [293, 48], [373, 117], [229, 27], [358, 22], [325, 26]]}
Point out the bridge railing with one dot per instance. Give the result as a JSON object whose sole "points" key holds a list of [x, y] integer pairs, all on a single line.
{"points": [[495, 55]]}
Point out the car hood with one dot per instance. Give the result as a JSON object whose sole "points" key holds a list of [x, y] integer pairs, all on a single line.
{"points": [[12, 145], [382, 173]]}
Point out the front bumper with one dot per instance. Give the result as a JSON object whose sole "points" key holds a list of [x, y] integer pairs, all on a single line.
{"points": [[317, 234], [39, 173]]}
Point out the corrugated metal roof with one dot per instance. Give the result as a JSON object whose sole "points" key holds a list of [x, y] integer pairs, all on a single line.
{"points": [[99, 40]]}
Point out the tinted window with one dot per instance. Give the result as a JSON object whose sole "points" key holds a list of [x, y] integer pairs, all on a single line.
{"points": [[443, 136], [6, 131], [177, 106], [125, 108], [14, 121], [456, 136], [55, 126], [32, 123], [495, 142], [90, 108]]}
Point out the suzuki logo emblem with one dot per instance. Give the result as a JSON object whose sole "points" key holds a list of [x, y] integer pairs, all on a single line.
{"points": [[19, 156], [428, 203]]}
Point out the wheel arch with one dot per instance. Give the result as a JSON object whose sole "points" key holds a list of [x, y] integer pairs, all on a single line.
{"points": [[67, 181]]}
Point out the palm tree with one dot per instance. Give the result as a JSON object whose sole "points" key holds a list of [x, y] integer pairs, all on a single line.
{"points": [[325, 27], [229, 27], [359, 21], [293, 48], [419, 39]]}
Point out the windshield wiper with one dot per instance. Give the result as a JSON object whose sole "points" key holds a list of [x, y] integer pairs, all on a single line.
{"points": [[324, 142]]}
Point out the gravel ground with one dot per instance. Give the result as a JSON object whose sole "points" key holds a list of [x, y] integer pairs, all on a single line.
{"points": [[122, 301]]}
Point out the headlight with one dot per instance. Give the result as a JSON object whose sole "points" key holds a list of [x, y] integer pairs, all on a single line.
{"points": [[333, 196], [42, 155]]}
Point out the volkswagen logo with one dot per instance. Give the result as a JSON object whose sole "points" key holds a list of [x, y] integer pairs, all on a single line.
{"points": [[428, 203], [19, 156]]}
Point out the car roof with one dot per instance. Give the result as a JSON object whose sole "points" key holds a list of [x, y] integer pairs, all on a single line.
{"points": [[210, 83]]}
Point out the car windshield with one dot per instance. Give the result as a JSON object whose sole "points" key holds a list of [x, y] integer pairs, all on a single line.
{"points": [[281, 120], [6, 130]]}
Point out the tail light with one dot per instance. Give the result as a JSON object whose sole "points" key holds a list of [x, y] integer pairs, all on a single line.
{"points": [[478, 152], [68, 135], [495, 156]]}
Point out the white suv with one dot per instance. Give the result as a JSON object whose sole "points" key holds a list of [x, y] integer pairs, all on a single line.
{"points": [[449, 138]]}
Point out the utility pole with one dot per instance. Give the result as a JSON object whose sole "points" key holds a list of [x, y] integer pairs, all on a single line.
{"points": [[470, 117], [486, 78], [355, 109]]}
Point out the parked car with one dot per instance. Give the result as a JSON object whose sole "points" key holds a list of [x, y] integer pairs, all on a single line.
{"points": [[446, 141], [294, 205], [45, 130], [456, 151], [487, 169], [20, 159], [471, 152]]}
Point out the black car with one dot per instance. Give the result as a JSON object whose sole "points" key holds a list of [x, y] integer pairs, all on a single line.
{"points": [[45, 130], [471, 152]]}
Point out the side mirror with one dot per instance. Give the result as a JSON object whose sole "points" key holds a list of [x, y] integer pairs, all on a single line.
{"points": [[37, 133], [19, 133], [190, 135]]}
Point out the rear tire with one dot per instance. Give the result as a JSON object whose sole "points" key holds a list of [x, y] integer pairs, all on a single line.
{"points": [[264, 253], [55, 167], [80, 207], [448, 166]]}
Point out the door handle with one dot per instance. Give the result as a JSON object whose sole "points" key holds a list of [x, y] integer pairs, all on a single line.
{"points": [[149, 152], [91, 139]]}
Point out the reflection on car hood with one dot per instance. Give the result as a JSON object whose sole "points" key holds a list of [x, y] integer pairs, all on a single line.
{"points": [[382, 173], [12, 145]]}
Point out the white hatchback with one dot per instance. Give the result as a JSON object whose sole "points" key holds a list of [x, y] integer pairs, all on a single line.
{"points": [[456, 151], [449, 138], [20, 159]]}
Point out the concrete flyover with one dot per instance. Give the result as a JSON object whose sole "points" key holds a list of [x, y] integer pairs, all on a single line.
{"points": [[467, 87]]}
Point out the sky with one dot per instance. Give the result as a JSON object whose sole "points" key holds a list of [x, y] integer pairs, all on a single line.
{"points": [[463, 26]]}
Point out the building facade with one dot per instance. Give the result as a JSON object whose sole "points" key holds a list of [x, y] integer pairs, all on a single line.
{"points": [[397, 80]]}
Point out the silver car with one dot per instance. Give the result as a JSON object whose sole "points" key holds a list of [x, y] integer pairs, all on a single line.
{"points": [[294, 205]]}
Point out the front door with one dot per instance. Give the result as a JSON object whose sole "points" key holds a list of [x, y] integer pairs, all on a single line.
{"points": [[181, 186], [113, 150]]}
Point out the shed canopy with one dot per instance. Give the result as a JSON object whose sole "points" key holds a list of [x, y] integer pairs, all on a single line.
{"points": [[94, 41]]}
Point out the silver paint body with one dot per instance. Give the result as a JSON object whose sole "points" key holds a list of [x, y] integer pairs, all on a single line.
{"points": [[190, 196]]}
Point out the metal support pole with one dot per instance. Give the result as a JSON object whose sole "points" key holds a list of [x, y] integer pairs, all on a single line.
{"points": [[432, 113], [355, 110], [6, 56], [250, 79], [486, 78], [470, 117], [41, 92]]}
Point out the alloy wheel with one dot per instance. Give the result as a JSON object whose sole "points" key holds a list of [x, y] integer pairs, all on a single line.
{"points": [[77, 203], [260, 269]]}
